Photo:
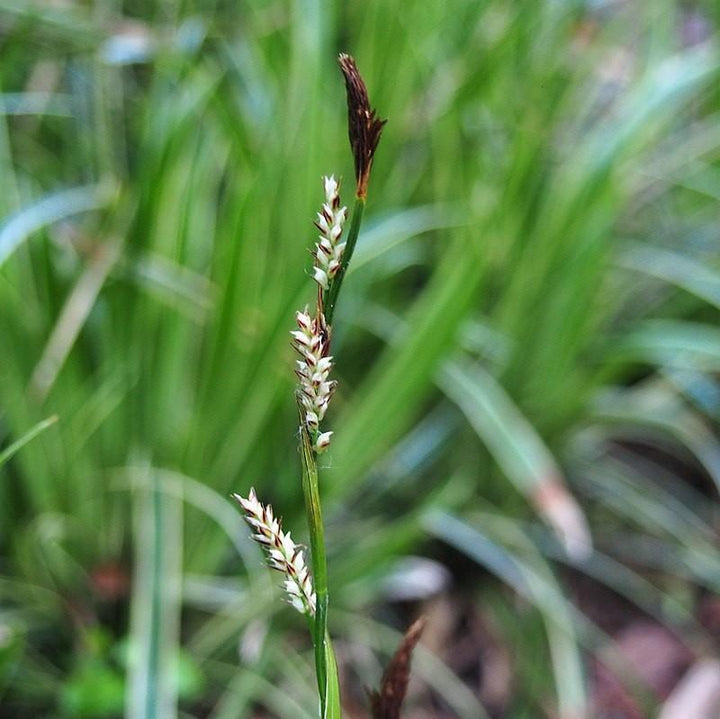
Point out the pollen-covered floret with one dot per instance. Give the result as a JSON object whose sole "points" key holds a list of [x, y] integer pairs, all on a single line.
{"points": [[282, 553], [313, 371]]}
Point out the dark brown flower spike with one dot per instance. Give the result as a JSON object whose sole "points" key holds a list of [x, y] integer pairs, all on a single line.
{"points": [[364, 125], [386, 703]]}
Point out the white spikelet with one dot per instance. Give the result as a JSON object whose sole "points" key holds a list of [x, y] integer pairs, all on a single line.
{"points": [[313, 371], [282, 553], [330, 221]]}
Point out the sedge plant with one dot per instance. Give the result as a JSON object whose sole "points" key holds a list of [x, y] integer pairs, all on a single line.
{"points": [[312, 342]]}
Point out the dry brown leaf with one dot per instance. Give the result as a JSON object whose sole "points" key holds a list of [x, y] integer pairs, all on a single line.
{"points": [[386, 703]]}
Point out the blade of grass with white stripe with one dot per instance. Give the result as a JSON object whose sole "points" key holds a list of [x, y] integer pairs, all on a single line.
{"points": [[512, 440], [155, 609], [518, 449], [17, 228], [676, 268], [671, 343]]}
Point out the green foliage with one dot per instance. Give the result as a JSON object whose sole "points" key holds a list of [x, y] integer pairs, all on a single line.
{"points": [[534, 293], [93, 691]]}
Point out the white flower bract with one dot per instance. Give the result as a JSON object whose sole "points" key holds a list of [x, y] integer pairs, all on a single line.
{"points": [[323, 441]]}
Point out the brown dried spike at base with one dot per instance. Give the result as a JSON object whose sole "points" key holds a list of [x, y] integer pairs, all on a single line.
{"points": [[386, 703], [364, 126]]}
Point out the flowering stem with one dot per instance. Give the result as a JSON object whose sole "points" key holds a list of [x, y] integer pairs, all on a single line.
{"points": [[331, 294], [312, 342]]}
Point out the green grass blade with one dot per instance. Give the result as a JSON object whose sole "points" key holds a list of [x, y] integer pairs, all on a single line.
{"points": [[518, 449], [671, 343], [152, 680], [18, 444], [333, 709], [57, 206], [391, 394], [677, 268]]}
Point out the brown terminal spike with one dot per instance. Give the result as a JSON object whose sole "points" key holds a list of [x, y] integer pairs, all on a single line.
{"points": [[364, 125]]}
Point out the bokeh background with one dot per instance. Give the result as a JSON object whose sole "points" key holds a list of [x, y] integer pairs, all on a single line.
{"points": [[526, 447]]}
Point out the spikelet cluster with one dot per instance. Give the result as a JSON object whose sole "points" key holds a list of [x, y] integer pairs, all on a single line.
{"points": [[330, 221], [313, 370], [282, 553]]}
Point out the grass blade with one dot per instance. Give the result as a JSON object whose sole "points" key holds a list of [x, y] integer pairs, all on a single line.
{"points": [[57, 206], [524, 570], [674, 267], [518, 449], [152, 681], [18, 444]]}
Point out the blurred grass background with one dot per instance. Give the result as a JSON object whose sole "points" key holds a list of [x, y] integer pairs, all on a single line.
{"points": [[527, 348]]}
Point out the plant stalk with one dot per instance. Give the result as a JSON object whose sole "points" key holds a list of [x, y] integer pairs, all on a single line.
{"points": [[325, 664]]}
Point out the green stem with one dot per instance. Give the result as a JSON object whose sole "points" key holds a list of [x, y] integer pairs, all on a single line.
{"points": [[331, 294], [324, 657]]}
